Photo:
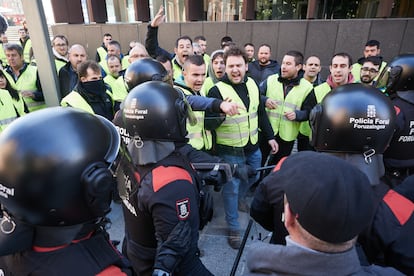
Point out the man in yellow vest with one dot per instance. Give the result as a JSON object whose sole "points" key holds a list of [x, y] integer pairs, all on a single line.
{"points": [[190, 83], [202, 42], [237, 136], [372, 49], [23, 77], [26, 44], [289, 99], [60, 46], [312, 69], [182, 49], [114, 49], [102, 50], [340, 69], [311, 73], [91, 94], [115, 79]]}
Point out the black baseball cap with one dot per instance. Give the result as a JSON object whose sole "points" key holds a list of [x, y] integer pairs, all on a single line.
{"points": [[331, 198]]}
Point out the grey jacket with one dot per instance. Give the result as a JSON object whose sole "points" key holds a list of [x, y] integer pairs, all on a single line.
{"points": [[294, 259]]}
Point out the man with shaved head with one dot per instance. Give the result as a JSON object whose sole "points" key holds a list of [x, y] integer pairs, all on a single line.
{"points": [[137, 52], [68, 74]]}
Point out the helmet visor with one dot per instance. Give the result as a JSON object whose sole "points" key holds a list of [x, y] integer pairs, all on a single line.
{"points": [[383, 78], [389, 79]]}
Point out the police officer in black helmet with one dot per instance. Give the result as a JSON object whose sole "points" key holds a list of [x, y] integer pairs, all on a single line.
{"points": [[56, 189], [398, 78], [158, 187], [390, 240], [147, 69], [354, 122]]}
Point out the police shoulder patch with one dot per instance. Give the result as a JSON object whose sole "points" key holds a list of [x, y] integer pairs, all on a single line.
{"points": [[183, 208]]}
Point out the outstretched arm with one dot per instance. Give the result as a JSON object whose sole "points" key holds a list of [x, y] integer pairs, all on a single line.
{"points": [[151, 41]]}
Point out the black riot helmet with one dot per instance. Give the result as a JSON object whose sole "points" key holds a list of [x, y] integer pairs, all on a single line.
{"points": [[145, 69], [398, 76], [54, 167], [155, 111], [353, 118]]}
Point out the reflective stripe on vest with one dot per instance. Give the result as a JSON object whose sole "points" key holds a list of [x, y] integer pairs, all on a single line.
{"points": [[321, 91], [286, 129], [198, 137], [237, 130], [27, 82]]}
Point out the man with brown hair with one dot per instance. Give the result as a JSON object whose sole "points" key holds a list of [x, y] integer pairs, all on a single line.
{"points": [[91, 94]]}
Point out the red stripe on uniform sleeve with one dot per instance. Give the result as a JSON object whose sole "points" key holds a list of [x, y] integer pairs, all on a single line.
{"points": [[401, 207], [397, 110], [112, 271], [161, 176], [279, 164]]}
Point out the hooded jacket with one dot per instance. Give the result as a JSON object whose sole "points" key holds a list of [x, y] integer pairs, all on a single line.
{"points": [[260, 73]]}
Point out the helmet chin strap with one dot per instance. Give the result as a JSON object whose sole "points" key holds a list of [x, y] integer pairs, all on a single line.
{"points": [[373, 169], [150, 152], [52, 236]]}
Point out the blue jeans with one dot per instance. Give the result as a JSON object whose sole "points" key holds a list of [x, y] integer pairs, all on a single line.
{"points": [[237, 188]]}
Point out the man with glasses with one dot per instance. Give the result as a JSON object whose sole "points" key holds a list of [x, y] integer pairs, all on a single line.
{"points": [[369, 70], [60, 51], [371, 49]]}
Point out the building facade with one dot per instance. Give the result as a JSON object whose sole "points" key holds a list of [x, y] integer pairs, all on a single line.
{"points": [[101, 11]]}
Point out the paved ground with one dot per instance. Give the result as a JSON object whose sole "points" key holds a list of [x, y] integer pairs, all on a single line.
{"points": [[218, 257]]}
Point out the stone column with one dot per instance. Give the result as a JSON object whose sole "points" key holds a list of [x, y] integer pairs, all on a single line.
{"points": [[67, 11], [97, 11], [249, 9], [142, 11], [194, 10]]}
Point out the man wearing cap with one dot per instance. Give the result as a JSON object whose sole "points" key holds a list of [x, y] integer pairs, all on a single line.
{"points": [[323, 216]]}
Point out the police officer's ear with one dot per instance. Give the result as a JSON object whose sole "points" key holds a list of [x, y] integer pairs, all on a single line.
{"points": [[99, 184], [314, 121]]}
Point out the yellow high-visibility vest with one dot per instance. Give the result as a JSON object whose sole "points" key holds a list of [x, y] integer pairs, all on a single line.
{"points": [[237, 130], [286, 129]]}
